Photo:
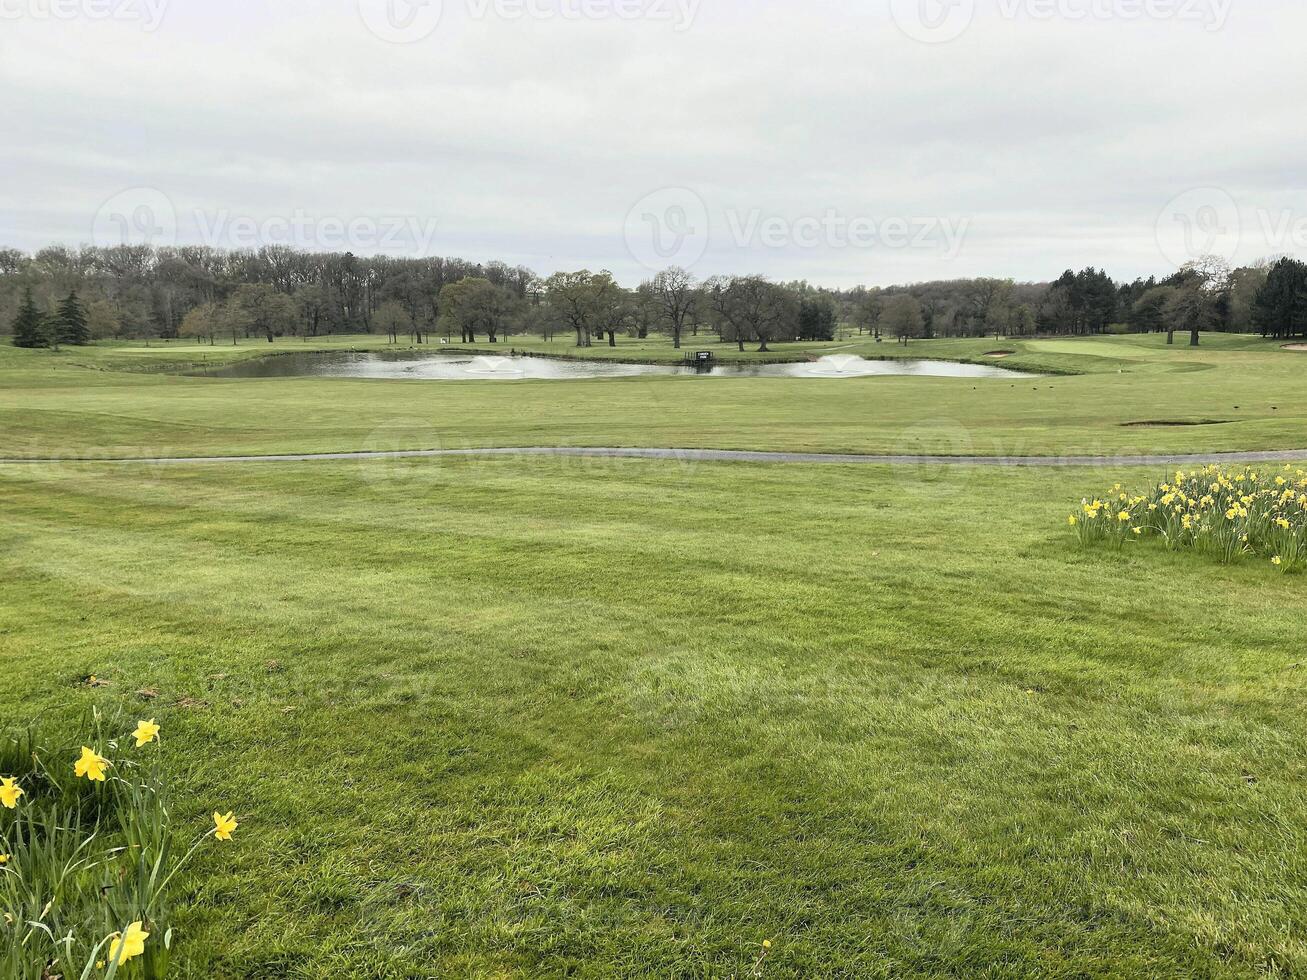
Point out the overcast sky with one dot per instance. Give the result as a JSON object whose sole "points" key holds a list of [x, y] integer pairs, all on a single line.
{"points": [[844, 142]]}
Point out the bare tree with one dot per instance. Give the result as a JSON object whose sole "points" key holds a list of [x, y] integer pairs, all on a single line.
{"points": [[392, 318], [674, 292]]}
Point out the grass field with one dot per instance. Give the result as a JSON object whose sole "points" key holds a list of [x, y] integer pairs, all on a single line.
{"points": [[550, 717], [632, 718], [115, 401]]}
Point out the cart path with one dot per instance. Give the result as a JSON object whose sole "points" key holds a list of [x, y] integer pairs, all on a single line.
{"points": [[710, 456]]}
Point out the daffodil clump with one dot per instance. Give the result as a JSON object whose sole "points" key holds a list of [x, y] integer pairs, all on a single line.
{"points": [[88, 856], [1228, 514]]}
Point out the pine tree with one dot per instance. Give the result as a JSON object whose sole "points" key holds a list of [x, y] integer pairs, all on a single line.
{"points": [[1280, 309], [70, 323], [29, 325]]}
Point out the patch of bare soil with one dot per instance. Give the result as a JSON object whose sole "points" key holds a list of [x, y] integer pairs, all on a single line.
{"points": [[1150, 423]]}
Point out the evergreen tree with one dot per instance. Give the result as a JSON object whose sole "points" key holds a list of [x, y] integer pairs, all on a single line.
{"points": [[70, 323], [29, 325], [1280, 309]]}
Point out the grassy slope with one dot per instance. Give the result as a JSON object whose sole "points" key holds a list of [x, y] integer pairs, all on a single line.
{"points": [[631, 718], [104, 402]]}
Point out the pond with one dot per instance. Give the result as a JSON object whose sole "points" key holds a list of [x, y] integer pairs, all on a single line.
{"points": [[417, 366]]}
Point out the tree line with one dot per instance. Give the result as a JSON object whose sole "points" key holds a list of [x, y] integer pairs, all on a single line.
{"points": [[72, 296], [1268, 297]]}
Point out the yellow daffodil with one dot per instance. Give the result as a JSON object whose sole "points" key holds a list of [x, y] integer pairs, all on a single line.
{"points": [[125, 946], [1277, 560], [1139, 530], [146, 732], [223, 826], [92, 765], [10, 791], [4, 859], [1072, 520], [1123, 516]]}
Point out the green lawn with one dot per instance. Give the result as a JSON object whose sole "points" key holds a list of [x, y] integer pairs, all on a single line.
{"points": [[117, 400], [530, 718]]}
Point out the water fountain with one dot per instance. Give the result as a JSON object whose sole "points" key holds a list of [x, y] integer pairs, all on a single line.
{"points": [[494, 367], [838, 366]]}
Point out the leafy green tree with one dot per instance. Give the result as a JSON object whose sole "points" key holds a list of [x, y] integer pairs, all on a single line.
{"points": [[476, 304], [205, 321], [1023, 320], [1280, 309], [69, 323], [102, 319], [816, 318], [589, 302], [752, 308], [1147, 315], [29, 324], [902, 318]]}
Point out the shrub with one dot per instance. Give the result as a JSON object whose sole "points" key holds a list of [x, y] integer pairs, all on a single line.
{"points": [[89, 858], [1229, 515]]}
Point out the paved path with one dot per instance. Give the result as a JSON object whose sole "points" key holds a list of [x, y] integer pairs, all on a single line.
{"points": [[715, 456]]}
